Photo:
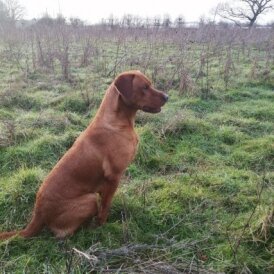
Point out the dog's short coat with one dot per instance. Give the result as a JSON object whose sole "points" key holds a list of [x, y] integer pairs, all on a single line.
{"points": [[83, 182]]}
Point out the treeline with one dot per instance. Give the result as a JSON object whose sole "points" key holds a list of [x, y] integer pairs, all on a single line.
{"points": [[187, 58]]}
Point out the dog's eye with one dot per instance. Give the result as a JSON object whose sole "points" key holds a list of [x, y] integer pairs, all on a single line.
{"points": [[146, 87]]}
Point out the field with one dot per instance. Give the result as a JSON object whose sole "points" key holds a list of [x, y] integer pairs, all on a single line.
{"points": [[198, 198]]}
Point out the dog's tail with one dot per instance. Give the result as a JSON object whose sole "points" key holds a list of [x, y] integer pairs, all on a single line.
{"points": [[34, 227]]}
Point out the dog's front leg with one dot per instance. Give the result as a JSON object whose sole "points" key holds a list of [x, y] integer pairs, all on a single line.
{"points": [[106, 192]]}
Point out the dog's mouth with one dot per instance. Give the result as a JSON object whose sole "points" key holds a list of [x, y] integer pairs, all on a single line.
{"points": [[151, 110], [157, 107]]}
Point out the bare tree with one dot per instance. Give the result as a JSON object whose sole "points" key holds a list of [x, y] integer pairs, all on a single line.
{"points": [[3, 12], [15, 10], [244, 10], [166, 21], [179, 21]]}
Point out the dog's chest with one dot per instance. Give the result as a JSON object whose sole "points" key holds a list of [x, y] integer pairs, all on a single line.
{"points": [[136, 143], [122, 153], [128, 148]]}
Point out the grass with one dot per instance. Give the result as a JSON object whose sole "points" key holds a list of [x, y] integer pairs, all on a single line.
{"points": [[199, 193]]}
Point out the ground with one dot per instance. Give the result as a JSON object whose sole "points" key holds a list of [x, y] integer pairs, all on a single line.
{"points": [[198, 196]]}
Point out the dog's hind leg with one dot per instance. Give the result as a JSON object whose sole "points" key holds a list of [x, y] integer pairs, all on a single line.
{"points": [[76, 212]]}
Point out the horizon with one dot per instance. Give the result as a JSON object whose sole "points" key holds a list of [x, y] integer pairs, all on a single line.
{"points": [[82, 9]]}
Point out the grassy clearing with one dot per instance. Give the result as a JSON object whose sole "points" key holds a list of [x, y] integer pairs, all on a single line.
{"points": [[198, 196]]}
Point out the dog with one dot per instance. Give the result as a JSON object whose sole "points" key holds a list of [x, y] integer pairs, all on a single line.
{"points": [[82, 184]]}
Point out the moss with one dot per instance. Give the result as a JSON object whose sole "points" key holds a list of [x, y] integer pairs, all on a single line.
{"points": [[255, 154], [44, 151], [74, 104]]}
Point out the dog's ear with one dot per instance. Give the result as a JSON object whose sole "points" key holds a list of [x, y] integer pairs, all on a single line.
{"points": [[124, 84]]}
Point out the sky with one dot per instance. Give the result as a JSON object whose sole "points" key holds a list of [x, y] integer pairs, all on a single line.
{"points": [[93, 11]]}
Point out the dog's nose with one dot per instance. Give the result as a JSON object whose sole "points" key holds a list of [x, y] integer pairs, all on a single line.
{"points": [[166, 97]]}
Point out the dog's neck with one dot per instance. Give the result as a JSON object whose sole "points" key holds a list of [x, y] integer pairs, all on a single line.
{"points": [[114, 112]]}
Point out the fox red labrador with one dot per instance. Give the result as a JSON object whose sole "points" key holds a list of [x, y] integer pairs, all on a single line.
{"points": [[83, 182]]}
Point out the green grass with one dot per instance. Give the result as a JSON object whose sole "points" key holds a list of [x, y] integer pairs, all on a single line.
{"points": [[199, 190]]}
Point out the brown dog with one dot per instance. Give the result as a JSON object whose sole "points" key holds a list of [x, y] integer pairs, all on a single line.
{"points": [[96, 161]]}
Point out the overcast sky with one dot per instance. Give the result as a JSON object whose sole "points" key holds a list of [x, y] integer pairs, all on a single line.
{"points": [[93, 11]]}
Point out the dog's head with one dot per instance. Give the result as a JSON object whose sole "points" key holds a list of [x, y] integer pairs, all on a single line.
{"points": [[137, 92]]}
